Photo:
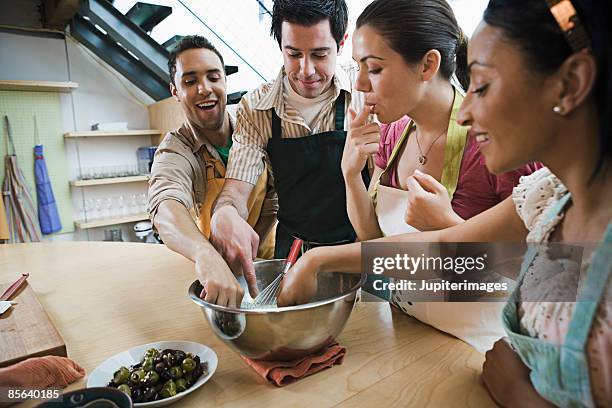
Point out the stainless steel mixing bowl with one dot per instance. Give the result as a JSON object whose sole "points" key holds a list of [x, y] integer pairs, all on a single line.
{"points": [[286, 332]]}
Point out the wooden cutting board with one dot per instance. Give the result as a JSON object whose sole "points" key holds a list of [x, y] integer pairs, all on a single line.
{"points": [[26, 330]]}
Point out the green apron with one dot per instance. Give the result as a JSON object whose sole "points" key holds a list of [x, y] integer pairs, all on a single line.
{"points": [[456, 138], [560, 373]]}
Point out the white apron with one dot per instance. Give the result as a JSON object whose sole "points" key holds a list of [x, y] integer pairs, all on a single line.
{"points": [[477, 323]]}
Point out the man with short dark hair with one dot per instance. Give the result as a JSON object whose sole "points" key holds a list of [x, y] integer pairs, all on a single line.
{"points": [[189, 169], [297, 123]]}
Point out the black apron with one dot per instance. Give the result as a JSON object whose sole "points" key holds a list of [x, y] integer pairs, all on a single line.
{"points": [[310, 186]]}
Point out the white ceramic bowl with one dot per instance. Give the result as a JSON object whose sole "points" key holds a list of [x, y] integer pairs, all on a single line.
{"points": [[103, 374]]}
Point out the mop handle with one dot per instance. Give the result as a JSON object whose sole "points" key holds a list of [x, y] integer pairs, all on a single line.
{"points": [[9, 137]]}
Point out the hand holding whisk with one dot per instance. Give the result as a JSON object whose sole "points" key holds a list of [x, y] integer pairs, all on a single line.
{"points": [[267, 297]]}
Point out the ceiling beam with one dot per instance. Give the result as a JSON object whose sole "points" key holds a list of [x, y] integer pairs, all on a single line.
{"points": [[58, 13]]}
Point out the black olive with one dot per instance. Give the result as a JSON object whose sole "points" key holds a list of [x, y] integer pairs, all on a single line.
{"points": [[149, 394], [169, 359], [137, 395], [165, 375], [159, 367], [179, 355]]}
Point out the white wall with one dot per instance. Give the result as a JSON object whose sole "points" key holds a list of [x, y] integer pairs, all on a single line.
{"points": [[103, 95]]}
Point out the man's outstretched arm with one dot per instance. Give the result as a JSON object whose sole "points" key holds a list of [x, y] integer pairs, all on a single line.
{"points": [[179, 232]]}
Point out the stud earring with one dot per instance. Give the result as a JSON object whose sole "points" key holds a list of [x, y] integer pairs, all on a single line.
{"points": [[558, 110]]}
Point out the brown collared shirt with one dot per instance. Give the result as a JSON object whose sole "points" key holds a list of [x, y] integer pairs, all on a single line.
{"points": [[179, 171]]}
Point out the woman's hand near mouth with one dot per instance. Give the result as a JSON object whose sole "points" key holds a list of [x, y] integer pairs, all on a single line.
{"points": [[361, 141]]}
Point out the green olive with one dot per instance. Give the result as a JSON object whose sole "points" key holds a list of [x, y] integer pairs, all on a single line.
{"points": [[153, 377], [176, 372], [181, 385], [169, 389], [147, 365], [188, 364], [121, 376], [137, 376], [125, 388]]}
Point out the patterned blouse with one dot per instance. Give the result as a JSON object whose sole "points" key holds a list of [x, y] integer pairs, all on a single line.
{"points": [[549, 321]]}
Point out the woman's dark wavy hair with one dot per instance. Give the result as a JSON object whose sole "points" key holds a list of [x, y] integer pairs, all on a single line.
{"points": [[530, 25], [414, 27], [308, 13]]}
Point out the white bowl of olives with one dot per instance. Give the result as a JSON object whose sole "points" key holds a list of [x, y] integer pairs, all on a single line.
{"points": [[157, 374]]}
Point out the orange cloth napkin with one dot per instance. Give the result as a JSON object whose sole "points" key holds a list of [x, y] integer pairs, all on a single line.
{"points": [[281, 373], [42, 372]]}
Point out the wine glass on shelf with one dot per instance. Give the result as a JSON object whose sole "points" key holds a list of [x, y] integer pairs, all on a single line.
{"points": [[90, 208], [121, 206], [133, 204], [108, 206], [99, 206], [80, 211], [142, 201]]}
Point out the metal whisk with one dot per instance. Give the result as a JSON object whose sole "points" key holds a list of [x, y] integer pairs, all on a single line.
{"points": [[267, 297]]}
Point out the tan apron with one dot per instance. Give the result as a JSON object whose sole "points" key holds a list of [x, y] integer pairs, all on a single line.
{"points": [[478, 324], [215, 179]]}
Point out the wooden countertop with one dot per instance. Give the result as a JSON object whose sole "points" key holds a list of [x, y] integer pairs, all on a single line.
{"points": [[107, 297]]}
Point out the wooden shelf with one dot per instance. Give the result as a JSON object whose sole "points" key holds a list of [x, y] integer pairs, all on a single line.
{"points": [[111, 221], [111, 180], [37, 86], [96, 133]]}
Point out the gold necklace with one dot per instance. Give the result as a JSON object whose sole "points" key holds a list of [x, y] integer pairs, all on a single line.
{"points": [[423, 156]]}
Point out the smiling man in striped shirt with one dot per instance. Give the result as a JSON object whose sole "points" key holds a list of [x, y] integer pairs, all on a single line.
{"points": [[297, 125]]}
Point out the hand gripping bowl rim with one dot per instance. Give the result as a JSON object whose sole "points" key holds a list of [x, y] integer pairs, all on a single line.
{"points": [[264, 310]]}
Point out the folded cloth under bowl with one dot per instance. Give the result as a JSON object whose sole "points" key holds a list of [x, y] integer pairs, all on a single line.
{"points": [[281, 373], [42, 372]]}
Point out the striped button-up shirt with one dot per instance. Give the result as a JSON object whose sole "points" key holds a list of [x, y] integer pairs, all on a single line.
{"points": [[254, 121]]}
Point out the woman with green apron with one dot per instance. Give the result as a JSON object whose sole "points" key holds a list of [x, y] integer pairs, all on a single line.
{"points": [[431, 102], [478, 324]]}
